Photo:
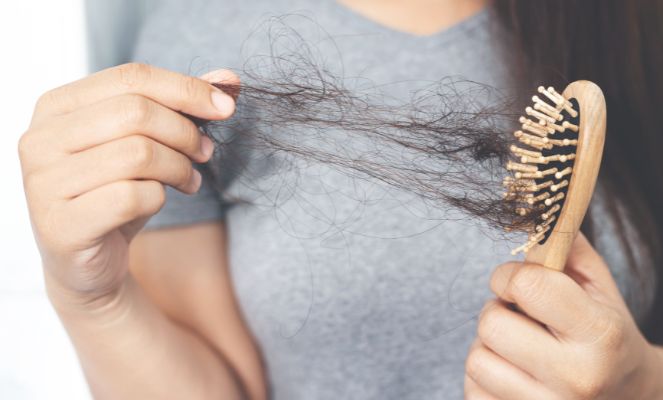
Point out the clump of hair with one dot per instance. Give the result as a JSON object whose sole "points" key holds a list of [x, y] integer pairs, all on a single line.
{"points": [[448, 143]]}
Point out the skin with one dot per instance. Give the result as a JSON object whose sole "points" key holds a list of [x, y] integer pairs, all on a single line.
{"points": [[153, 315], [572, 337], [94, 159], [416, 17]]}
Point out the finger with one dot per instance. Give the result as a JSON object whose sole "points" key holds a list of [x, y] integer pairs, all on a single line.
{"points": [[176, 91], [475, 392], [586, 266], [126, 115], [225, 78], [93, 214], [501, 379], [517, 338], [130, 229], [134, 157], [548, 296], [472, 390]]}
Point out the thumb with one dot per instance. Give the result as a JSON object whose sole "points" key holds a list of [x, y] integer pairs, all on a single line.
{"points": [[586, 266], [225, 80]]}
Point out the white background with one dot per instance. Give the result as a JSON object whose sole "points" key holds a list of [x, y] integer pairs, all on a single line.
{"points": [[42, 45]]}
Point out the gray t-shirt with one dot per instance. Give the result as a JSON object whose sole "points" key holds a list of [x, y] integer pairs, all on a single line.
{"points": [[353, 289]]}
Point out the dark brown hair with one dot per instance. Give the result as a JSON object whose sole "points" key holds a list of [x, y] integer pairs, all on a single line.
{"points": [[618, 45]]}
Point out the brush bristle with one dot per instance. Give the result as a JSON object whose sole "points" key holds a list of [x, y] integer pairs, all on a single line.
{"points": [[543, 162]]}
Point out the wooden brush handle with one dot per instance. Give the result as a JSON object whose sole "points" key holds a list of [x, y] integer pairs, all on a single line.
{"points": [[553, 253]]}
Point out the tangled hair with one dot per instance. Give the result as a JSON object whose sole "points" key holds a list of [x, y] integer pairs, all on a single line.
{"points": [[447, 144], [611, 42]]}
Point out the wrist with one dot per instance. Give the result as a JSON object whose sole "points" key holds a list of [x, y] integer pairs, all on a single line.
{"points": [[98, 304]]}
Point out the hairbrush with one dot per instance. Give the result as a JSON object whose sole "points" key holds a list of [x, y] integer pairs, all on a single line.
{"points": [[555, 166]]}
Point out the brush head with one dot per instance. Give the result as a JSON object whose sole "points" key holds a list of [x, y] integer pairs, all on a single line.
{"points": [[543, 163]]}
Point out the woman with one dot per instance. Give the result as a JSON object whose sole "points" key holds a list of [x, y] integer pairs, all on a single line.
{"points": [[317, 297]]}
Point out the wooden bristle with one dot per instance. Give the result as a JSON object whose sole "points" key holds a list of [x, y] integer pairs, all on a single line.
{"points": [[541, 169]]}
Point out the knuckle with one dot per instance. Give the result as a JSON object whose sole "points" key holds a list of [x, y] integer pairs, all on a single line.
{"points": [[190, 87], [139, 153], [134, 110], [489, 323], [32, 182], [60, 99], [158, 194], [132, 75], [35, 146], [587, 387], [47, 100], [49, 226], [127, 199], [527, 283], [187, 174], [475, 363], [26, 144], [191, 139]]}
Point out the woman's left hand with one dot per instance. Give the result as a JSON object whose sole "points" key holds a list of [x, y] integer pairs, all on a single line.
{"points": [[572, 338]]}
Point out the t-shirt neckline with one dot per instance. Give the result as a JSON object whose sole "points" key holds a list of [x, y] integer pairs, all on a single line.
{"points": [[464, 25]]}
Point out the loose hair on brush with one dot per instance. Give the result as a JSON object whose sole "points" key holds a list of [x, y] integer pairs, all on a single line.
{"points": [[451, 145]]}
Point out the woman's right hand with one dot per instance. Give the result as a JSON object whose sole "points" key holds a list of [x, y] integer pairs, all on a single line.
{"points": [[95, 158]]}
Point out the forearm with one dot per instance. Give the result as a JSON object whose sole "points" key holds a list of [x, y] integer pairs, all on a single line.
{"points": [[130, 350]]}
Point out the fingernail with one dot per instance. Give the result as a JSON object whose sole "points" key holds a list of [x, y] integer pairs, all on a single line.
{"points": [[218, 75], [196, 180], [206, 147], [224, 103]]}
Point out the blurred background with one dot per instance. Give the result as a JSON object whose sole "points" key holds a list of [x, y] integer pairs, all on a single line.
{"points": [[43, 46]]}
